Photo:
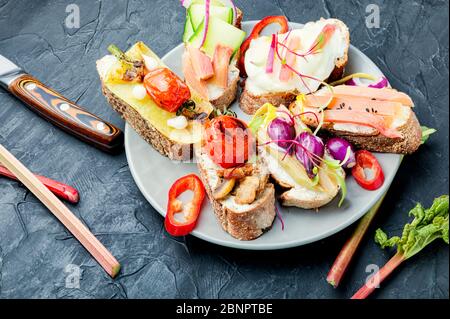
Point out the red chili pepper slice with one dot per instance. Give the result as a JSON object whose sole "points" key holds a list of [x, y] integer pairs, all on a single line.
{"points": [[259, 27], [229, 142], [166, 89], [366, 160], [192, 209]]}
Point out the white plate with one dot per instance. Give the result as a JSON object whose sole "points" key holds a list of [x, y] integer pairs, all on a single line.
{"points": [[154, 174]]}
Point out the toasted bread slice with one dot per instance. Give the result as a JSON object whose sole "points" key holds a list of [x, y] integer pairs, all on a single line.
{"points": [[365, 137], [242, 221], [376, 142], [164, 145], [146, 118], [294, 194], [223, 98], [251, 100]]}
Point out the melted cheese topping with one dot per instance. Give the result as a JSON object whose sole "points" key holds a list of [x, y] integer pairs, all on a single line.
{"points": [[319, 65]]}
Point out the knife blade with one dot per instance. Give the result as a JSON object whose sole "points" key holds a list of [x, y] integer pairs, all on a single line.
{"points": [[58, 110]]}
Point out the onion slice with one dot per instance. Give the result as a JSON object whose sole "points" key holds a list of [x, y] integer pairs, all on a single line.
{"points": [[271, 57], [205, 31], [381, 84]]}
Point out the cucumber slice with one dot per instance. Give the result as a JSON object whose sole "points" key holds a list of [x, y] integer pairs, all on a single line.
{"points": [[218, 32], [196, 13], [188, 30], [216, 3]]}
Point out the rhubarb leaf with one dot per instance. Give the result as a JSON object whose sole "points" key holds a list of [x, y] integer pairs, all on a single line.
{"points": [[427, 226]]}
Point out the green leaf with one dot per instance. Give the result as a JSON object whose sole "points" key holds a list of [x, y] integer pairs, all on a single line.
{"points": [[427, 226], [426, 133], [382, 239], [263, 116]]}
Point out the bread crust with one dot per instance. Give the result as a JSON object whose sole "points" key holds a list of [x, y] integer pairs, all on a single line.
{"points": [[164, 145], [250, 103]]}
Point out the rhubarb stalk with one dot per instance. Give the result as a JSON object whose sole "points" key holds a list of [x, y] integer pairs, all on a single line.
{"points": [[382, 274], [344, 258], [427, 226]]}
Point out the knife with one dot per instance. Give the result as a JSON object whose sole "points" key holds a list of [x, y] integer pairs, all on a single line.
{"points": [[58, 110]]}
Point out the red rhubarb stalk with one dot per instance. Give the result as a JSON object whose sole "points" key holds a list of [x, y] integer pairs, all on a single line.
{"points": [[344, 258], [375, 281], [61, 190]]}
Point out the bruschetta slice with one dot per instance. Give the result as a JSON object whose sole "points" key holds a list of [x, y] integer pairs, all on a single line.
{"points": [[297, 165], [237, 182], [301, 59], [379, 120], [212, 43], [133, 84]]}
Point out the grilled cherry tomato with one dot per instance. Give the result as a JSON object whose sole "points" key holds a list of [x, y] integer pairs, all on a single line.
{"points": [[228, 141], [259, 27], [166, 89], [192, 209], [367, 161]]}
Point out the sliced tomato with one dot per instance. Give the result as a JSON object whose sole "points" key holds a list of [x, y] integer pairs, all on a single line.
{"points": [[367, 161], [182, 228], [259, 27], [221, 64], [166, 89], [228, 141]]}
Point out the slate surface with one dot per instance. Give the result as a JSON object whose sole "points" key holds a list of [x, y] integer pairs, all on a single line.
{"points": [[411, 48]]}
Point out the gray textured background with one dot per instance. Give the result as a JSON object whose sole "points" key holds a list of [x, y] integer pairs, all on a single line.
{"points": [[411, 48]]}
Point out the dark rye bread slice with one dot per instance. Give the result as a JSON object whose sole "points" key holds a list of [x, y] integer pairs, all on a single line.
{"points": [[250, 103], [161, 143], [246, 224], [409, 143]]}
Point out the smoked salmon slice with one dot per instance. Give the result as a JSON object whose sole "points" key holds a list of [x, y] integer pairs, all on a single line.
{"points": [[201, 63], [385, 94], [354, 103], [192, 81], [354, 117]]}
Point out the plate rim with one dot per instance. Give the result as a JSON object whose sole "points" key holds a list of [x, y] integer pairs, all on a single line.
{"points": [[247, 245]]}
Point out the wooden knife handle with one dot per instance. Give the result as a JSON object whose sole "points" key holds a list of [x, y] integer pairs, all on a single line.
{"points": [[67, 115]]}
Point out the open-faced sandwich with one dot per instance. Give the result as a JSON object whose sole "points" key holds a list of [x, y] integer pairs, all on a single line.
{"points": [[212, 40], [281, 66], [375, 119], [297, 159], [235, 179], [153, 100]]}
